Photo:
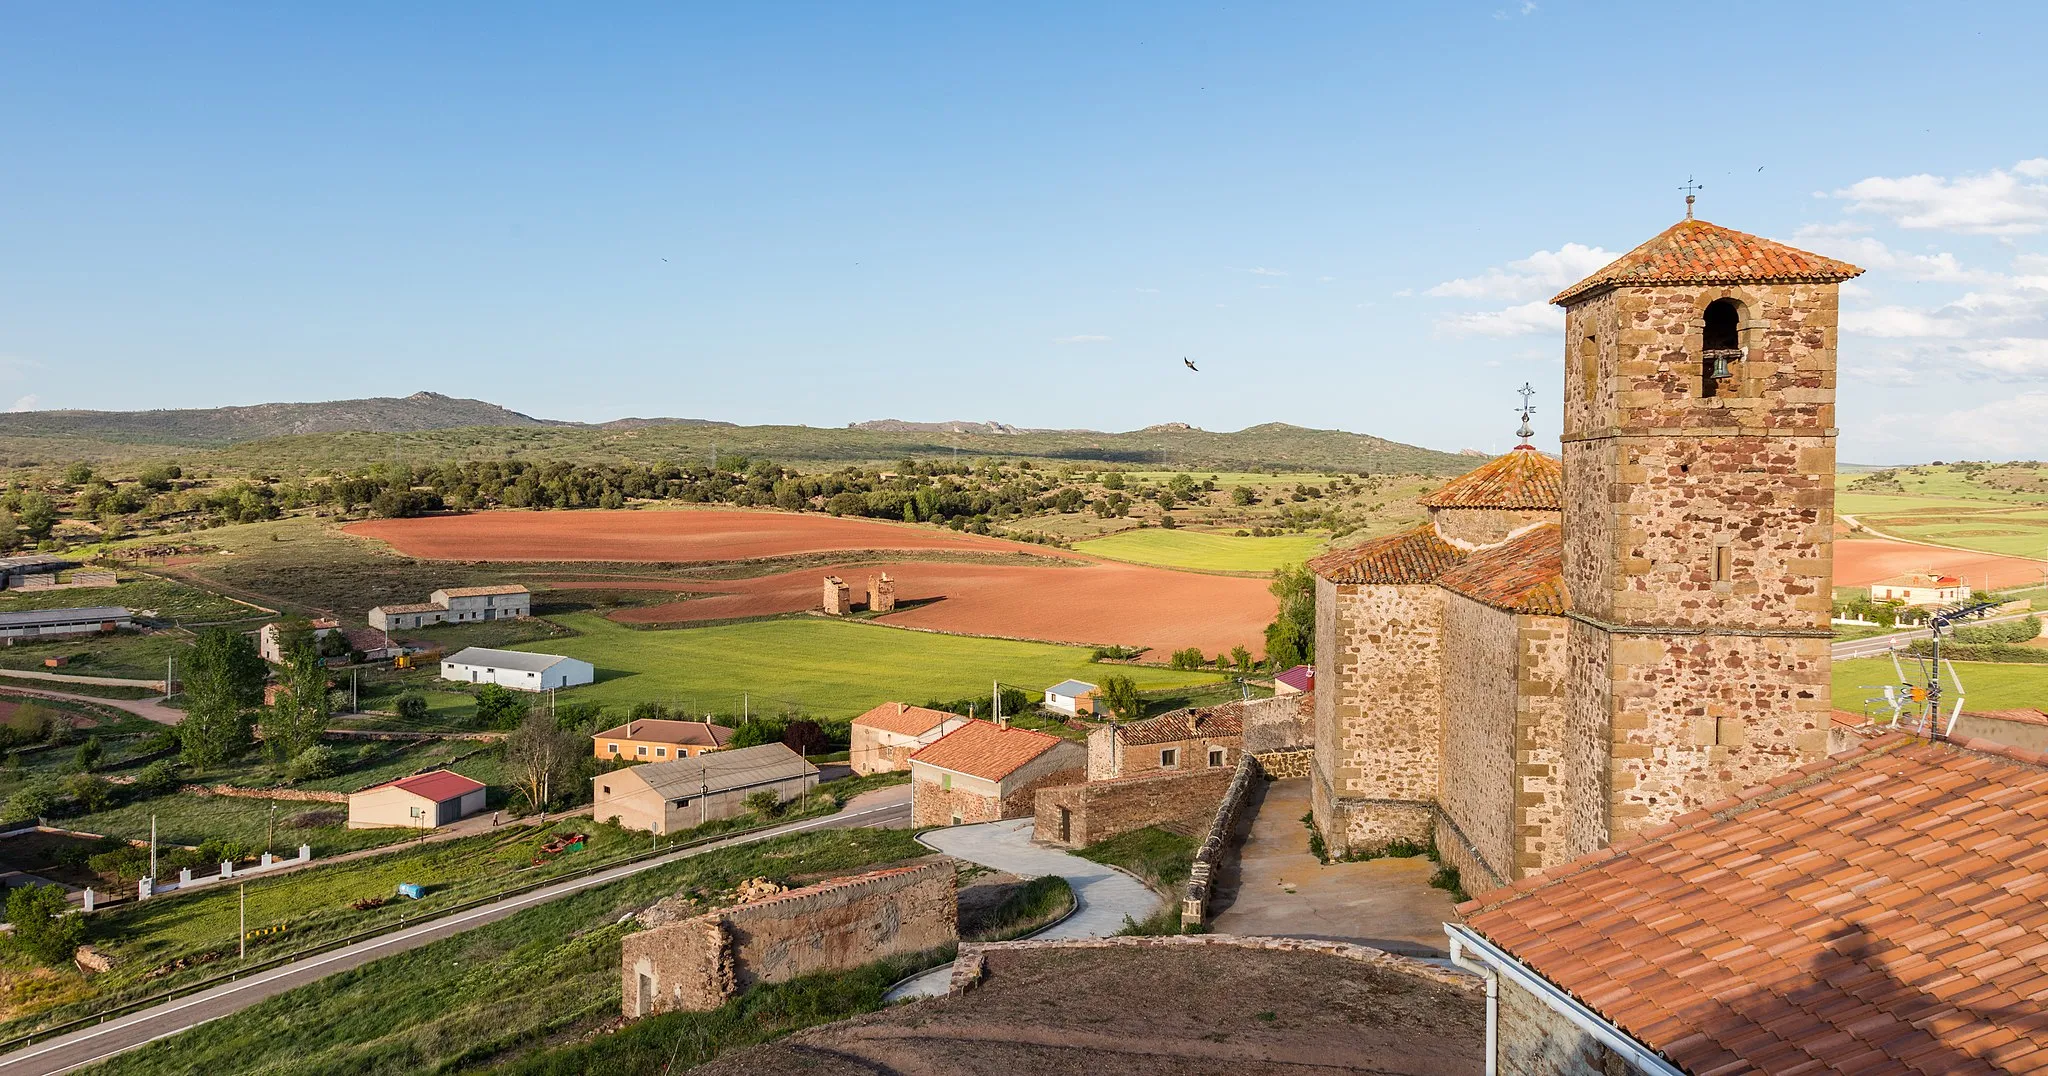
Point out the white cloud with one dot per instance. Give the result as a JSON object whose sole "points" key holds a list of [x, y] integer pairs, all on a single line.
{"points": [[1538, 316], [2003, 428], [1871, 253], [1148, 291], [1542, 272], [26, 403], [2010, 357], [1084, 338], [1260, 270], [1993, 203], [1895, 322]]}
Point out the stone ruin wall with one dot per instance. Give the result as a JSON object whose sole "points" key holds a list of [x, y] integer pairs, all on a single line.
{"points": [[699, 963], [1099, 810]]}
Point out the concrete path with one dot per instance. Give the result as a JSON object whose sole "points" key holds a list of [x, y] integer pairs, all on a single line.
{"points": [[148, 709], [882, 807], [1278, 888], [1104, 897]]}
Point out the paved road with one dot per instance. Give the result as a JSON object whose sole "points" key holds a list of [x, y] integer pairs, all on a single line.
{"points": [[882, 807], [1104, 897], [1879, 644]]}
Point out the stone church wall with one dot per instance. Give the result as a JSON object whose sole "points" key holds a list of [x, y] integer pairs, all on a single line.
{"points": [[1542, 805], [1482, 646], [1485, 526], [1588, 731], [1379, 724]]}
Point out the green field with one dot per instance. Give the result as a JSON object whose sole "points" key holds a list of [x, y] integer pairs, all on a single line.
{"points": [[171, 601], [1986, 686], [1995, 510], [1205, 550], [825, 667]]}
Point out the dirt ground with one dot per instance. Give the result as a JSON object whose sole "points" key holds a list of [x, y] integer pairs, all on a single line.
{"points": [[1181, 1012], [1862, 561], [660, 537], [1125, 604]]}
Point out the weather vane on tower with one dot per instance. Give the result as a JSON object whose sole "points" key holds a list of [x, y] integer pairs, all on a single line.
{"points": [[1689, 187], [1527, 409]]}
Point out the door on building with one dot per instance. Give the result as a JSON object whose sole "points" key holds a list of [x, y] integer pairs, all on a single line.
{"points": [[1066, 825], [646, 999]]}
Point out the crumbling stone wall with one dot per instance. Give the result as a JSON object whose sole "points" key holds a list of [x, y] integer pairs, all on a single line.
{"points": [[1099, 810], [838, 597], [1278, 723], [881, 593], [1379, 712], [697, 964]]}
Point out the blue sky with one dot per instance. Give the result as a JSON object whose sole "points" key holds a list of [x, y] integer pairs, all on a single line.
{"points": [[1348, 215]]}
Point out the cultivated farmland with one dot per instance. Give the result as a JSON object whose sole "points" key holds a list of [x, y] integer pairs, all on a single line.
{"points": [[826, 667], [1205, 550]]}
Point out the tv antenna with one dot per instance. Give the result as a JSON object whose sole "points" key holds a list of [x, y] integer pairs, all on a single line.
{"points": [[1923, 698]]}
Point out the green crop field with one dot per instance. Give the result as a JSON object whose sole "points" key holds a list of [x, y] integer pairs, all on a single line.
{"points": [[1986, 686], [1996, 510], [826, 667], [1204, 550]]}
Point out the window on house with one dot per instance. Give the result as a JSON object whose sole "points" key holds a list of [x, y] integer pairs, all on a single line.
{"points": [[607, 789], [1169, 758], [1720, 345], [641, 750], [613, 748], [1215, 756], [1724, 563], [661, 752], [946, 780]]}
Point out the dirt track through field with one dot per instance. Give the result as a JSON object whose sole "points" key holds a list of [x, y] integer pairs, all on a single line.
{"points": [[662, 536], [1125, 604], [1863, 561]]}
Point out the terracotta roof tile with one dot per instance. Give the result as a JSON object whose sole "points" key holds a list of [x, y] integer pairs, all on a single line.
{"points": [[437, 785], [984, 749], [1187, 724], [1413, 556], [903, 718], [478, 592], [1524, 574], [662, 730], [1524, 478], [1696, 252], [1800, 926]]}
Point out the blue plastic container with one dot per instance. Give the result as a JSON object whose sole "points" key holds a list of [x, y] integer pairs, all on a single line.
{"points": [[411, 889]]}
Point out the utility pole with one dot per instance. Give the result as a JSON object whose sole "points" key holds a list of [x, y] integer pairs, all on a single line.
{"points": [[152, 849], [270, 837], [355, 703], [243, 937]]}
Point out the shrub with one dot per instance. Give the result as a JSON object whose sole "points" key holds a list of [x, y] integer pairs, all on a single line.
{"points": [[32, 800], [1190, 658], [412, 706], [90, 754], [764, 803], [90, 790], [44, 927], [311, 764], [125, 865], [157, 778], [499, 707]]}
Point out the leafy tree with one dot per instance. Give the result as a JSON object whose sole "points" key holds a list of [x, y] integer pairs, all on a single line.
{"points": [[412, 706], [1167, 521], [36, 515], [44, 926], [10, 532], [157, 778], [313, 763], [538, 754], [294, 634], [93, 792], [89, 754], [756, 731], [1113, 480], [764, 803], [1190, 658], [1183, 486], [499, 707], [295, 721], [77, 474], [1291, 637], [1243, 496], [1241, 658], [1120, 694], [157, 477], [223, 682], [35, 799], [804, 737]]}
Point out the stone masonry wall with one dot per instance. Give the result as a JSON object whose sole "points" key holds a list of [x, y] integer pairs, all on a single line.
{"points": [[1285, 765], [1099, 810], [1484, 526], [1536, 1040], [1588, 735], [1482, 650], [1379, 714], [1542, 803], [697, 964], [1022, 801], [932, 805]]}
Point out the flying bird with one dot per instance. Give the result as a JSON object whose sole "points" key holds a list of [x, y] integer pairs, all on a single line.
{"points": [[1191, 366]]}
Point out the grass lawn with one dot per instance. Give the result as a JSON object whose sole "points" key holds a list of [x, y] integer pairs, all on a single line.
{"points": [[126, 655], [1986, 686], [1205, 550], [168, 600], [1940, 506], [825, 667], [482, 997]]}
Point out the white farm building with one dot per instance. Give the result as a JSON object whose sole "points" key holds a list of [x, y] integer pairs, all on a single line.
{"points": [[515, 669]]}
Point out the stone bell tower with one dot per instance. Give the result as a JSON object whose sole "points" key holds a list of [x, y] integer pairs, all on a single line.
{"points": [[1699, 449]]}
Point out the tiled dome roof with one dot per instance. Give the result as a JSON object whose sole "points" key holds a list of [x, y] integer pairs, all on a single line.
{"points": [[1524, 574], [1524, 478], [1697, 252]]}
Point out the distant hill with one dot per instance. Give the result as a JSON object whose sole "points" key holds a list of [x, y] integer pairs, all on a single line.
{"points": [[228, 425], [427, 427]]}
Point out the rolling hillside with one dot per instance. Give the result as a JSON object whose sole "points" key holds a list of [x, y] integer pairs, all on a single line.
{"points": [[229, 425]]}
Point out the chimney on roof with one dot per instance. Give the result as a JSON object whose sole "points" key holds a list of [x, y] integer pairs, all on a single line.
{"points": [[902, 708], [1310, 677]]}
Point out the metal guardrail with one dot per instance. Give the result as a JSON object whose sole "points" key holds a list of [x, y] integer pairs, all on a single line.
{"points": [[10, 1045]]}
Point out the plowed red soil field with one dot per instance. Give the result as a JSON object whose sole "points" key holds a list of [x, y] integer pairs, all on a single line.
{"points": [[1123, 604], [1860, 562], [661, 536]]}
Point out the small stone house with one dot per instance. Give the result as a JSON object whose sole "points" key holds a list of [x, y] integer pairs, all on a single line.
{"points": [[659, 740], [1876, 911], [422, 801], [986, 772], [456, 605], [1197, 738], [881, 593], [664, 797], [884, 738], [270, 638], [838, 596]]}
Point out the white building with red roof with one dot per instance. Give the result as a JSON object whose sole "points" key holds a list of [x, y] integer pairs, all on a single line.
{"points": [[1920, 588], [422, 801], [986, 772]]}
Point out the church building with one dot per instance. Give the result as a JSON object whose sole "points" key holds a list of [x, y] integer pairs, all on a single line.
{"points": [[1566, 653]]}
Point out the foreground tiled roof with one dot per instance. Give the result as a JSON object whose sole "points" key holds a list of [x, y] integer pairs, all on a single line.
{"points": [[1696, 252], [1413, 556], [1209, 722], [903, 718], [439, 786], [1879, 911], [984, 749], [1524, 574], [1524, 478], [663, 730]]}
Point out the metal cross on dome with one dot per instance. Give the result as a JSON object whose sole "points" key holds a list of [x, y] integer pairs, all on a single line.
{"points": [[1689, 187], [1527, 409]]}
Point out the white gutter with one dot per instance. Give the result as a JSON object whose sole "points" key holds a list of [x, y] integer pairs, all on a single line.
{"points": [[1484, 971], [1498, 962]]}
